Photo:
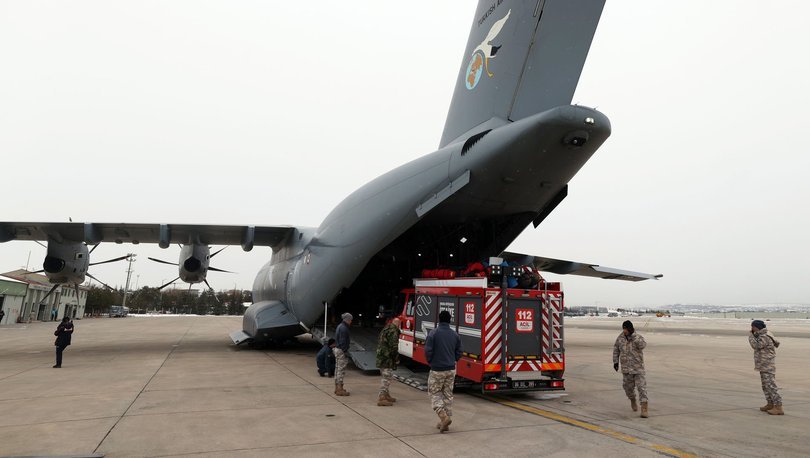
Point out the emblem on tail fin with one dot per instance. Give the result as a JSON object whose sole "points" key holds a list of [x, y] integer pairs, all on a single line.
{"points": [[479, 60]]}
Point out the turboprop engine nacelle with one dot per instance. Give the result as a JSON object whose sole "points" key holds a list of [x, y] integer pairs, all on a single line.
{"points": [[193, 263], [66, 262]]}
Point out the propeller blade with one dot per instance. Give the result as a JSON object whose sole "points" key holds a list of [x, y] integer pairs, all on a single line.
{"points": [[220, 270], [163, 262], [218, 251], [40, 244], [96, 279], [37, 272], [212, 291], [109, 260], [167, 284], [94, 247], [42, 301]]}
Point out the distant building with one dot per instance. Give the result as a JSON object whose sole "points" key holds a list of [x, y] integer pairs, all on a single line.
{"points": [[587, 310], [12, 293], [63, 302]]}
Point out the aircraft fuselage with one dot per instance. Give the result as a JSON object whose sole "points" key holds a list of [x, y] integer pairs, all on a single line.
{"points": [[515, 169]]}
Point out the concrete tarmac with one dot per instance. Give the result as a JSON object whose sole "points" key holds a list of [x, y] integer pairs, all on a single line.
{"points": [[176, 386]]}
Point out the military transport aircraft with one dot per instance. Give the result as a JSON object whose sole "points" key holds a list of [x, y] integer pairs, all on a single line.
{"points": [[511, 144]]}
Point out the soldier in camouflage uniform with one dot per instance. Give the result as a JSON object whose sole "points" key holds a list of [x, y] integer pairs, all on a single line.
{"points": [[387, 356], [764, 344], [628, 350], [341, 350]]}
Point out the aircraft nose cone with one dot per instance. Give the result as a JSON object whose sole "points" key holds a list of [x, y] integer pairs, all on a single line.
{"points": [[192, 264]]}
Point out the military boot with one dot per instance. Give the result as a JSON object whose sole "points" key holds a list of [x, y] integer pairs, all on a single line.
{"points": [[767, 407], [444, 424], [644, 413], [383, 402], [633, 405], [389, 397], [777, 410], [340, 391]]}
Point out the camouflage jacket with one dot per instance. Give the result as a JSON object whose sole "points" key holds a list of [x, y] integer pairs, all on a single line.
{"points": [[628, 352], [764, 344], [388, 347]]}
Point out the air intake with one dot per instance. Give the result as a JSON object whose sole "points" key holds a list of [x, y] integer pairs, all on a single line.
{"points": [[53, 264], [192, 264]]}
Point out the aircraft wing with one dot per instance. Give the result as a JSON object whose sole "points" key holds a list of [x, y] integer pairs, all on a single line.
{"points": [[162, 234], [562, 267]]}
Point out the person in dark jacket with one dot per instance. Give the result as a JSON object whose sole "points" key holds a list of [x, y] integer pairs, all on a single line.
{"points": [[63, 333], [341, 350], [442, 350], [326, 359]]}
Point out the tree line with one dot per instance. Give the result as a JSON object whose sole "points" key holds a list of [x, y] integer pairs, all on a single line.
{"points": [[153, 300]]}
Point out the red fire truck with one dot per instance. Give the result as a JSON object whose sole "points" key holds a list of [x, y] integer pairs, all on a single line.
{"points": [[512, 339]]}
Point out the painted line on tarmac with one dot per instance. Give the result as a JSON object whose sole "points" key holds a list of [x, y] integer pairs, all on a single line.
{"points": [[669, 451]]}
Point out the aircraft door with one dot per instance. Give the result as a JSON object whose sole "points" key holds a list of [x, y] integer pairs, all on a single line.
{"points": [[288, 282]]}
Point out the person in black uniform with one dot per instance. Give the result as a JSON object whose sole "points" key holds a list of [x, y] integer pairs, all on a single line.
{"points": [[63, 333]]}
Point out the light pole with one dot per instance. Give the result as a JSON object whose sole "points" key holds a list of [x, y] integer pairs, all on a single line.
{"points": [[131, 259]]}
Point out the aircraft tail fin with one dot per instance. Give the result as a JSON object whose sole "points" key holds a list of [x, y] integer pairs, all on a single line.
{"points": [[522, 58]]}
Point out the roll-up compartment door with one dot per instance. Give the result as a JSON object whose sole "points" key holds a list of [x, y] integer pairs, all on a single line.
{"points": [[523, 337], [469, 325], [425, 316]]}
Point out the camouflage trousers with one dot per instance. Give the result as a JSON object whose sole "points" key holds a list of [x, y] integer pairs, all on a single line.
{"points": [[770, 389], [387, 375], [632, 382], [440, 388], [341, 360]]}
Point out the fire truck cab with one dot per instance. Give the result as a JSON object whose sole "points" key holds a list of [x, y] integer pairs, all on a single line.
{"points": [[512, 339]]}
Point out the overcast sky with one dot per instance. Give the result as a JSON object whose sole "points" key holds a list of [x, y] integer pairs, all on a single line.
{"points": [[271, 113]]}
